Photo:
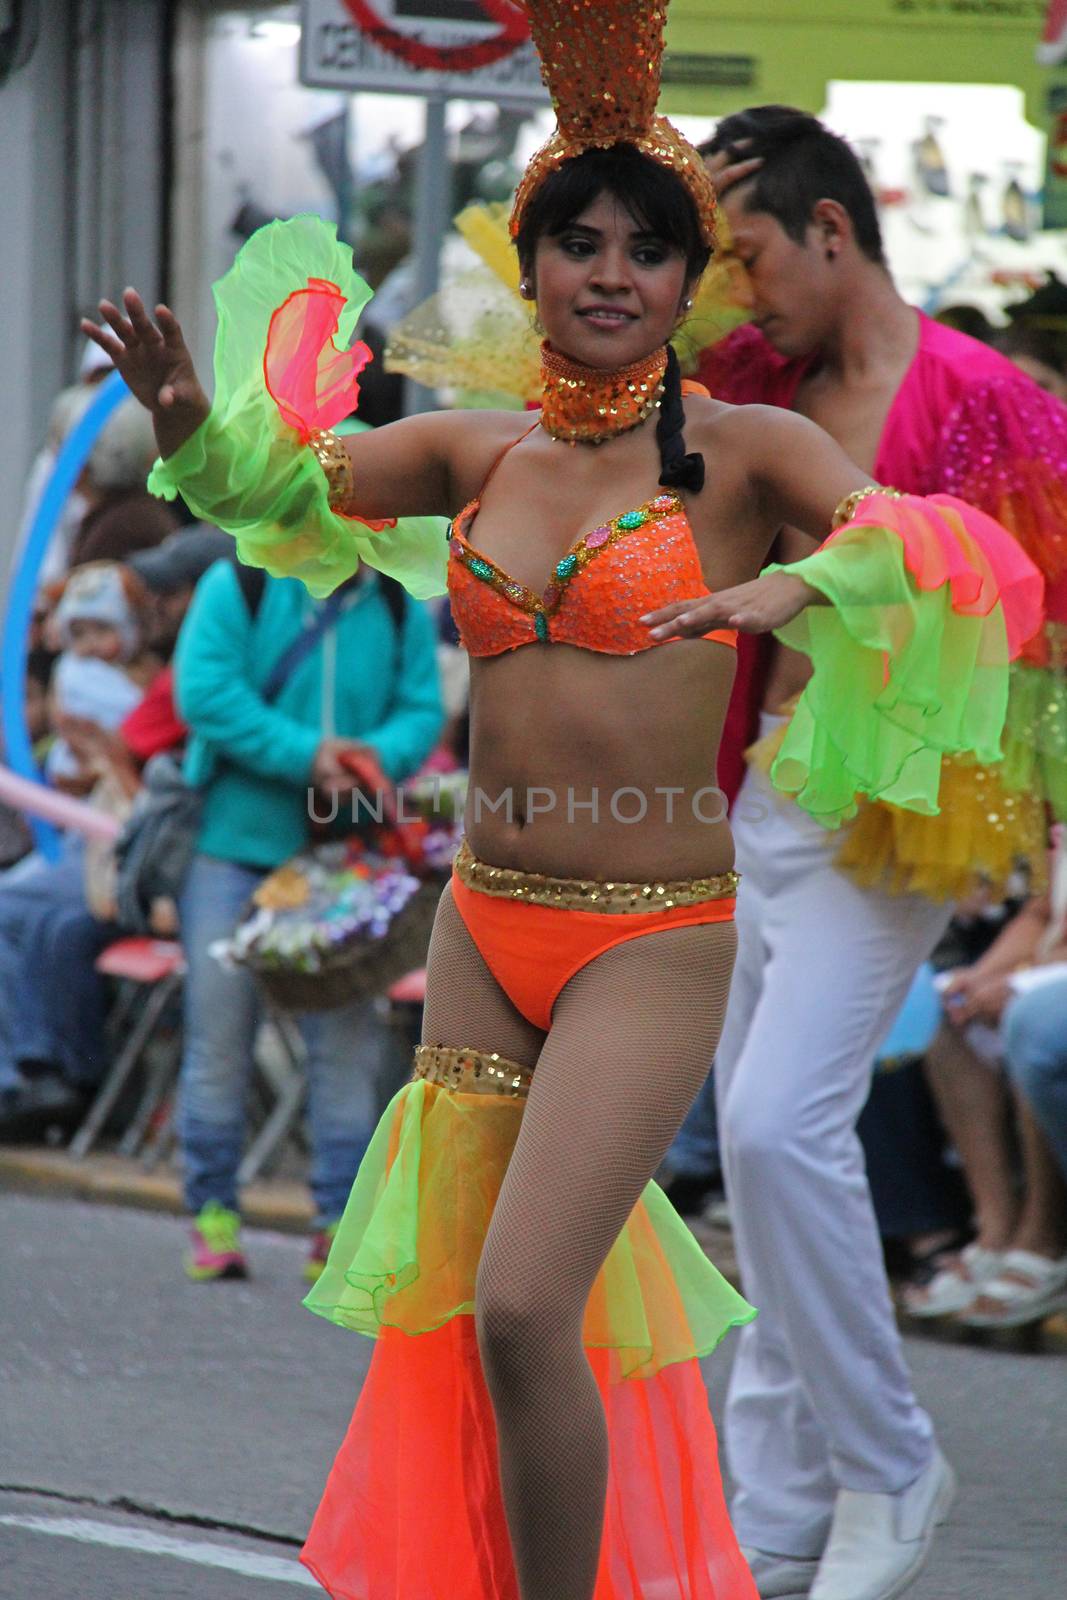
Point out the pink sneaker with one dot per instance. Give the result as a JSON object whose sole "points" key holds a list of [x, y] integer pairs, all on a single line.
{"points": [[216, 1245], [319, 1252]]}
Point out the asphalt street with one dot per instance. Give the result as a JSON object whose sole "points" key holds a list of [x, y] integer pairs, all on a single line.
{"points": [[161, 1440]]}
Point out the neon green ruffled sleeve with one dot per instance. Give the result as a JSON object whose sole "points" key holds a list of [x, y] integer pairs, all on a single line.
{"points": [[283, 369], [929, 601]]}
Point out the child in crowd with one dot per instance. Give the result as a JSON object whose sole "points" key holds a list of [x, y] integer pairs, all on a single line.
{"points": [[97, 624]]}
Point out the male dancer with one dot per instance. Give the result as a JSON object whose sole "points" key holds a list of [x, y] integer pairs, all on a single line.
{"points": [[840, 1483]]}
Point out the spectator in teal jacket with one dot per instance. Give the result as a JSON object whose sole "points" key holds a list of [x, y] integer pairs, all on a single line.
{"points": [[257, 748]]}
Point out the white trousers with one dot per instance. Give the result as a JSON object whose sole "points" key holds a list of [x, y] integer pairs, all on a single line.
{"points": [[820, 1398]]}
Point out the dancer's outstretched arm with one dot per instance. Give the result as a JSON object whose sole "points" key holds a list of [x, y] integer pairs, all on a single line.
{"points": [[260, 459], [910, 611], [399, 470]]}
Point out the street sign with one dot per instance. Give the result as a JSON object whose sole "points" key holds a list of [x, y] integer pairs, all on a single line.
{"points": [[336, 54]]}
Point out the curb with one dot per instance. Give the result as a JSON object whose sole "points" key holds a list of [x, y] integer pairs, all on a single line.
{"points": [[281, 1204]]}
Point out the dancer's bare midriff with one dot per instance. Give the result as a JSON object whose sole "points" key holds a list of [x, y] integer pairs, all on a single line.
{"points": [[554, 728]]}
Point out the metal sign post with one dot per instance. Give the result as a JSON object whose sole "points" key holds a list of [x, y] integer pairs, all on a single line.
{"points": [[336, 54], [433, 189]]}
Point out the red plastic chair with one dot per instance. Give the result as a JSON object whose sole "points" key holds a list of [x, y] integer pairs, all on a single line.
{"points": [[410, 990], [154, 968]]}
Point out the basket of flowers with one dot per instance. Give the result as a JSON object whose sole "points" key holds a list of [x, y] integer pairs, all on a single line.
{"points": [[347, 917]]}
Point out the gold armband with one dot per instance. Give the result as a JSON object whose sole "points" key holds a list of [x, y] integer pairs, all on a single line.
{"points": [[330, 453], [850, 504]]}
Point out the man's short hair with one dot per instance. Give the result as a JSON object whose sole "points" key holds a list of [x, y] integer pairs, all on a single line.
{"points": [[803, 163]]}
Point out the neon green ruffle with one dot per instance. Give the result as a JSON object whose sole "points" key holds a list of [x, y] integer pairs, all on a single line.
{"points": [[407, 1249], [246, 471], [1035, 735], [900, 679]]}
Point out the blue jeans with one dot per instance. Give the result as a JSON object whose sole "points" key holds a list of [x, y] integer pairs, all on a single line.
{"points": [[695, 1151], [1034, 1032], [222, 1013], [52, 1000]]}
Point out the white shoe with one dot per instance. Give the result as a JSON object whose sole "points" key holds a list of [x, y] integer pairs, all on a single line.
{"points": [[1028, 1288], [957, 1285], [780, 1577], [879, 1543]]}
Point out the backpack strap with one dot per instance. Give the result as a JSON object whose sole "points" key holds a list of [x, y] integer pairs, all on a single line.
{"points": [[252, 582], [396, 598]]}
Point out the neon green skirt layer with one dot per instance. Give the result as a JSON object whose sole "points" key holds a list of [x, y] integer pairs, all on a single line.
{"points": [[407, 1249]]}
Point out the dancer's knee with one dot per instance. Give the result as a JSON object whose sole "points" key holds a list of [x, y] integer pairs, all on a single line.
{"points": [[517, 1323]]}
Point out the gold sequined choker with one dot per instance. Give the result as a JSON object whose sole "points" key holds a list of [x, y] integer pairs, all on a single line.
{"points": [[585, 405]]}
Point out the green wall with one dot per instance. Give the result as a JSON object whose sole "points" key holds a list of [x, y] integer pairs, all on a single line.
{"points": [[789, 49]]}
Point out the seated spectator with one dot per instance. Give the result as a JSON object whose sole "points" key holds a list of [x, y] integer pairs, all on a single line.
{"points": [[1035, 1054], [52, 1001], [967, 319], [1015, 1271], [1042, 355], [39, 665], [67, 410], [16, 840], [282, 697]]}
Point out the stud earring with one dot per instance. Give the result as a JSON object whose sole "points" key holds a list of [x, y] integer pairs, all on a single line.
{"points": [[525, 288]]}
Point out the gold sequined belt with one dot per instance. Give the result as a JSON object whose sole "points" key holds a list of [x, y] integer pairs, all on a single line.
{"points": [[589, 894], [471, 1071]]}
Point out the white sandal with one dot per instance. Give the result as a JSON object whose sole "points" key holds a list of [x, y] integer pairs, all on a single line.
{"points": [[955, 1286], [1028, 1288]]}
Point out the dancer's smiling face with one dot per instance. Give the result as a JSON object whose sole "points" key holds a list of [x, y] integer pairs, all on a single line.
{"points": [[609, 292]]}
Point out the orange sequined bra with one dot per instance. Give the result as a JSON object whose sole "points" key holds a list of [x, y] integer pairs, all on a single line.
{"points": [[596, 593]]}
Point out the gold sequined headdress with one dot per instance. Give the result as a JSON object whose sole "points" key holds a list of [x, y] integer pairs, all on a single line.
{"points": [[601, 62]]}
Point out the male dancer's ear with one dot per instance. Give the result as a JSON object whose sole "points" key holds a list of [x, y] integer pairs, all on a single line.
{"points": [[830, 219]]}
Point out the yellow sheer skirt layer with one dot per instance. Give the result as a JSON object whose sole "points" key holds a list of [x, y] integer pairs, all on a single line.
{"points": [[982, 834]]}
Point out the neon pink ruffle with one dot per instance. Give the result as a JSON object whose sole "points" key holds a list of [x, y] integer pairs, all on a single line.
{"points": [[313, 384], [960, 546]]}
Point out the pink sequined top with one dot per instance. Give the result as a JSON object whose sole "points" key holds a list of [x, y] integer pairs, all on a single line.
{"points": [[596, 592]]}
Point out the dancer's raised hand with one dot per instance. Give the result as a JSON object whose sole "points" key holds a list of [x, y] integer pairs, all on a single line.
{"points": [[154, 360]]}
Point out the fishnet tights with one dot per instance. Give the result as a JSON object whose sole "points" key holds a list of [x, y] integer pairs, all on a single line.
{"points": [[632, 1039]]}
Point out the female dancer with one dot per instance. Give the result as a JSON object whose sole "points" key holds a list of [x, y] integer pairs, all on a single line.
{"points": [[534, 1423]]}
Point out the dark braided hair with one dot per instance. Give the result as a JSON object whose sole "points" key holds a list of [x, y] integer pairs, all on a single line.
{"points": [[680, 471], [660, 202]]}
